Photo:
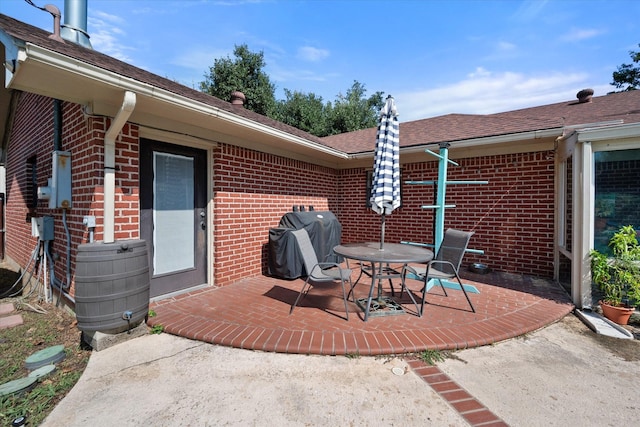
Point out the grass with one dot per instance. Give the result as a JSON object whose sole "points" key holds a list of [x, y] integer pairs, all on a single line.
{"points": [[56, 326], [431, 357], [157, 329]]}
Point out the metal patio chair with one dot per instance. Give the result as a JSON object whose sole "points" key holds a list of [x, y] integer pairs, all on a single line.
{"points": [[319, 272], [444, 266]]}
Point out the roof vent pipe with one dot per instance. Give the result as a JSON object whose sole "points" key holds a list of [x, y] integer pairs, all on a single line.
{"points": [[584, 95], [56, 21], [74, 28]]}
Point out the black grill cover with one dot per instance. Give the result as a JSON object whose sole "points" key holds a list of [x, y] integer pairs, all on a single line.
{"points": [[324, 230]]}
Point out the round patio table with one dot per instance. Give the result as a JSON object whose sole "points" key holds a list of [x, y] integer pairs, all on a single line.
{"points": [[391, 253]]}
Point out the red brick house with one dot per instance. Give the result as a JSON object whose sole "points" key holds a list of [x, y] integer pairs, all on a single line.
{"points": [[202, 180]]}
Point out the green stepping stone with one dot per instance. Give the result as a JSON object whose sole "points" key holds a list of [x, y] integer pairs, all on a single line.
{"points": [[44, 357], [17, 386], [42, 371]]}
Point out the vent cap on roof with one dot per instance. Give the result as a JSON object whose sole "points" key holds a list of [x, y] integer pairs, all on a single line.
{"points": [[584, 95], [237, 98], [53, 10]]}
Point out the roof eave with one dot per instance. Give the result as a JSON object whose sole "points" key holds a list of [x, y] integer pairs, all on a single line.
{"points": [[609, 133], [49, 73], [513, 139]]}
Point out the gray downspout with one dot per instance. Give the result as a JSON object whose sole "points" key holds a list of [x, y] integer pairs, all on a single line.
{"points": [[57, 124]]}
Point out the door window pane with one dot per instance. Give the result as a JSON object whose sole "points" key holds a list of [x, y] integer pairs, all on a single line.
{"points": [[173, 213], [617, 195]]}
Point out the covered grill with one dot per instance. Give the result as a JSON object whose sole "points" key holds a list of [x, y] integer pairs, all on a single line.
{"points": [[324, 230]]}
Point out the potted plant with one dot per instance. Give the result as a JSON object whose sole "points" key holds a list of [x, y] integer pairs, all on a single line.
{"points": [[618, 277]]}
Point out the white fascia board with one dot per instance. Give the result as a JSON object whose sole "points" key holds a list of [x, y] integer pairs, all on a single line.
{"points": [[586, 132], [499, 139], [595, 134], [478, 142], [51, 58]]}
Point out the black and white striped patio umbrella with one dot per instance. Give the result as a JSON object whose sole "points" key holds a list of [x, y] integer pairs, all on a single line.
{"points": [[385, 189]]}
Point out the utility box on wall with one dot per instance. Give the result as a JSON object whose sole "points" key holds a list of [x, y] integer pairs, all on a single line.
{"points": [[42, 227], [61, 181]]}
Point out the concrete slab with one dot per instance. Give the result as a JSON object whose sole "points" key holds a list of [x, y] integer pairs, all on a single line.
{"points": [[557, 376], [561, 375], [7, 322], [164, 380], [602, 325], [101, 341]]}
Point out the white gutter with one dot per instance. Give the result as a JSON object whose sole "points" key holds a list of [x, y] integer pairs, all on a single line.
{"points": [[622, 131], [49, 57], [128, 104], [499, 139], [604, 127]]}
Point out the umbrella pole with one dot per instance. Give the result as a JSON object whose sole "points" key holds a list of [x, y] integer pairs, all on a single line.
{"points": [[381, 248], [382, 232]]}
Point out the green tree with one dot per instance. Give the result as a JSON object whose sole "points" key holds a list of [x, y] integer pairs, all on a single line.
{"points": [[305, 111], [353, 111], [627, 77], [350, 112], [244, 73]]}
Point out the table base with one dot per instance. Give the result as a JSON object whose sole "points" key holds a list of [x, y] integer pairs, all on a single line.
{"points": [[383, 306]]}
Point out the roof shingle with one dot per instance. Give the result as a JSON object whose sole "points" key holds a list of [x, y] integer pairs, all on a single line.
{"points": [[622, 106]]}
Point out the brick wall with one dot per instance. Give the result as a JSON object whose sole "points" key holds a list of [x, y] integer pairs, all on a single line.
{"points": [[252, 191], [512, 215], [31, 145], [30, 142]]}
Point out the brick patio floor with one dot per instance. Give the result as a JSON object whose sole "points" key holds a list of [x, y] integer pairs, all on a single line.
{"points": [[254, 314]]}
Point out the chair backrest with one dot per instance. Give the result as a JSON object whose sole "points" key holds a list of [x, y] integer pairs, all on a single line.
{"points": [[309, 257], [453, 246]]}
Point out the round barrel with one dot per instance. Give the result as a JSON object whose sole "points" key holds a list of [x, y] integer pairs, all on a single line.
{"points": [[112, 285]]}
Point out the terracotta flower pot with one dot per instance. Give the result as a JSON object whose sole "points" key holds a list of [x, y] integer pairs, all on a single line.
{"points": [[616, 314]]}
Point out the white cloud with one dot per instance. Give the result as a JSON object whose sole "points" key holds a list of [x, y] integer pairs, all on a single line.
{"points": [[579, 34], [99, 17], [106, 42], [485, 92], [145, 11], [199, 58], [105, 34], [308, 53], [530, 10], [479, 72], [293, 77], [506, 46]]}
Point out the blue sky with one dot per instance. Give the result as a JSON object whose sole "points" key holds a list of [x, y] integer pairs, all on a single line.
{"points": [[434, 56]]}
